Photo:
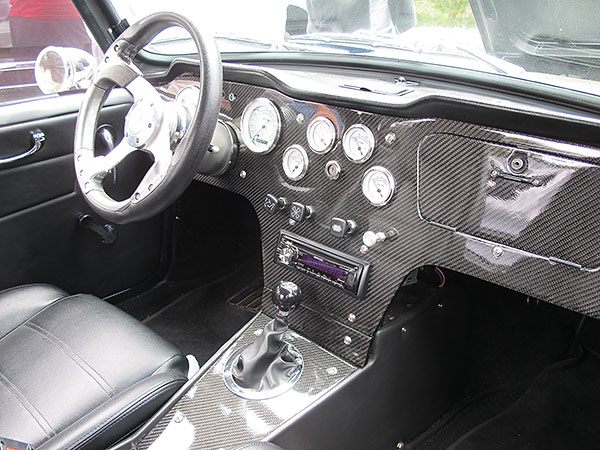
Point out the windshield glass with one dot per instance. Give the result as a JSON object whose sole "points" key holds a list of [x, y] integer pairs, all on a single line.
{"points": [[548, 41]]}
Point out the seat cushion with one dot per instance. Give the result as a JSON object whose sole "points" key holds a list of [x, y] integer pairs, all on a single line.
{"points": [[77, 372]]}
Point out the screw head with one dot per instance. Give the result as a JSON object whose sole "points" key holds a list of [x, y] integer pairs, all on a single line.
{"points": [[332, 371], [390, 138], [243, 174], [351, 317], [347, 340], [300, 118], [497, 252]]}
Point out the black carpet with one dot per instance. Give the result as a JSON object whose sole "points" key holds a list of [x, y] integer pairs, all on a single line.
{"points": [[511, 341], [560, 410], [201, 321]]}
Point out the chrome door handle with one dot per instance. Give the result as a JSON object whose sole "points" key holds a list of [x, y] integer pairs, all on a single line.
{"points": [[38, 137]]}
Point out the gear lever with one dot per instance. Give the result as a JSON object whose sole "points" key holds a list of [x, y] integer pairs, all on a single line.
{"points": [[270, 362]]}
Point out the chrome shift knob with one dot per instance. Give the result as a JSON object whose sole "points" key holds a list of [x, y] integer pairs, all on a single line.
{"points": [[286, 296]]}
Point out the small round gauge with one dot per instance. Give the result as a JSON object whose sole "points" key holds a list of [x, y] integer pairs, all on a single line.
{"points": [[189, 97], [295, 162], [261, 125], [321, 135], [378, 185], [358, 143]]}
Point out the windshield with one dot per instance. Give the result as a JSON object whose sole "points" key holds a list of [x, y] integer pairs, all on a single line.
{"points": [[547, 41]]}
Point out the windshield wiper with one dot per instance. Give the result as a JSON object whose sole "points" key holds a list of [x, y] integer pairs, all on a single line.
{"points": [[260, 43], [499, 65], [357, 41]]}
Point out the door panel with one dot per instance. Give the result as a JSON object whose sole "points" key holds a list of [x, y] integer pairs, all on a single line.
{"points": [[40, 205]]}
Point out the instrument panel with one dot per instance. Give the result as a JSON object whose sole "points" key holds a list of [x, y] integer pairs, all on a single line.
{"points": [[399, 193]]}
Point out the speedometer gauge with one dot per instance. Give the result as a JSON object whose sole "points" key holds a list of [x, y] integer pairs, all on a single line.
{"points": [[378, 185], [261, 125], [295, 162], [321, 135], [358, 143]]}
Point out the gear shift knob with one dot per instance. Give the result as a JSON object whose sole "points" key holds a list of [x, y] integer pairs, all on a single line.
{"points": [[286, 296]]}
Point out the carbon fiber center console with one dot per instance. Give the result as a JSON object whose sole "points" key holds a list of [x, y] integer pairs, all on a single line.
{"points": [[209, 416]]}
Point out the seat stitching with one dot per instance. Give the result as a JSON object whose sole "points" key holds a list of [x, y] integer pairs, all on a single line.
{"points": [[55, 302], [165, 363], [39, 417], [67, 350], [145, 398]]}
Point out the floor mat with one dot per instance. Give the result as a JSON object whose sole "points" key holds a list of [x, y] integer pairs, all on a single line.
{"points": [[560, 410], [201, 321]]}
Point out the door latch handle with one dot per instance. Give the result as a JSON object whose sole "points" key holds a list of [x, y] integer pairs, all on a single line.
{"points": [[38, 137]]}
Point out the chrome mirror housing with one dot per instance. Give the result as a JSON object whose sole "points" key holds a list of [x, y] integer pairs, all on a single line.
{"points": [[59, 69]]}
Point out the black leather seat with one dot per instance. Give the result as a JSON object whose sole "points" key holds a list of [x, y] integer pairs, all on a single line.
{"points": [[77, 372]]}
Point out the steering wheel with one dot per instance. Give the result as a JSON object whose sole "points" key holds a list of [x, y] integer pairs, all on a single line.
{"points": [[153, 125]]}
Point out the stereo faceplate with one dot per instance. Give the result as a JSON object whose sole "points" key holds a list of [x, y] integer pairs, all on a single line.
{"points": [[322, 263]]}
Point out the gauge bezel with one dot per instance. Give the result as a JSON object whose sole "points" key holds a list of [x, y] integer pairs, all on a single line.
{"points": [[304, 156], [247, 113], [390, 177], [312, 125], [370, 139]]}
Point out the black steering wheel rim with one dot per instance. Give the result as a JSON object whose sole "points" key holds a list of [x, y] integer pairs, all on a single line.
{"points": [[178, 163]]}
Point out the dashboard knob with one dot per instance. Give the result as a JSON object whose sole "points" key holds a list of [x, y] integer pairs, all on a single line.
{"points": [[286, 297], [371, 238]]}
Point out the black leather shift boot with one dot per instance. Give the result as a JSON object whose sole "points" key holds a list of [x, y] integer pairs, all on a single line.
{"points": [[267, 362]]}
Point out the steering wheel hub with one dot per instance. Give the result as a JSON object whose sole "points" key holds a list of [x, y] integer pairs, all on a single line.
{"points": [[142, 122]]}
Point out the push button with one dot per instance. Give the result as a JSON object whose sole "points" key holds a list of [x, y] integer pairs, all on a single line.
{"points": [[299, 213], [342, 227], [272, 204]]}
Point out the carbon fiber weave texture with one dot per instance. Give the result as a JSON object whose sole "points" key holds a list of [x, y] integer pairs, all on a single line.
{"points": [[222, 420], [324, 315]]}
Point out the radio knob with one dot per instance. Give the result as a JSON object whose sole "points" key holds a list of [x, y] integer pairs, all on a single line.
{"points": [[288, 255]]}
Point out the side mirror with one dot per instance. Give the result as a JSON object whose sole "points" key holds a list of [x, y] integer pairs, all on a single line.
{"points": [[59, 69]]}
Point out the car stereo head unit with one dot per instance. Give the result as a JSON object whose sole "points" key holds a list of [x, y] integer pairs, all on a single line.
{"points": [[325, 264]]}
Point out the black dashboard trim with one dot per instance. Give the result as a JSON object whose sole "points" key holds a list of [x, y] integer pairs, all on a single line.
{"points": [[533, 117]]}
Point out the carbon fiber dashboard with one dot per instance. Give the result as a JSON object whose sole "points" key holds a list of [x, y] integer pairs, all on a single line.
{"points": [[456, 204]]}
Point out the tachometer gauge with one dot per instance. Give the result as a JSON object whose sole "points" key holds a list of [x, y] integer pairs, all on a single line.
{"points": [[378, 185], [261, 125], [358, 143], [321, 135], [295, 162]]}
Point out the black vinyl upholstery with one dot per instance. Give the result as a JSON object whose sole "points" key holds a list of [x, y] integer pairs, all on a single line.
{"points": [[77, 372]]}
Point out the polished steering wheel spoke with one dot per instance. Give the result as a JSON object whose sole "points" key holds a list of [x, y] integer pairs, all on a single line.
{"points": [[92, 169], [162, 154], [140, 89]]}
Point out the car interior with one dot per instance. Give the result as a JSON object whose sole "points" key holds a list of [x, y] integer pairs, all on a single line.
{"points": [[303, 251]]}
